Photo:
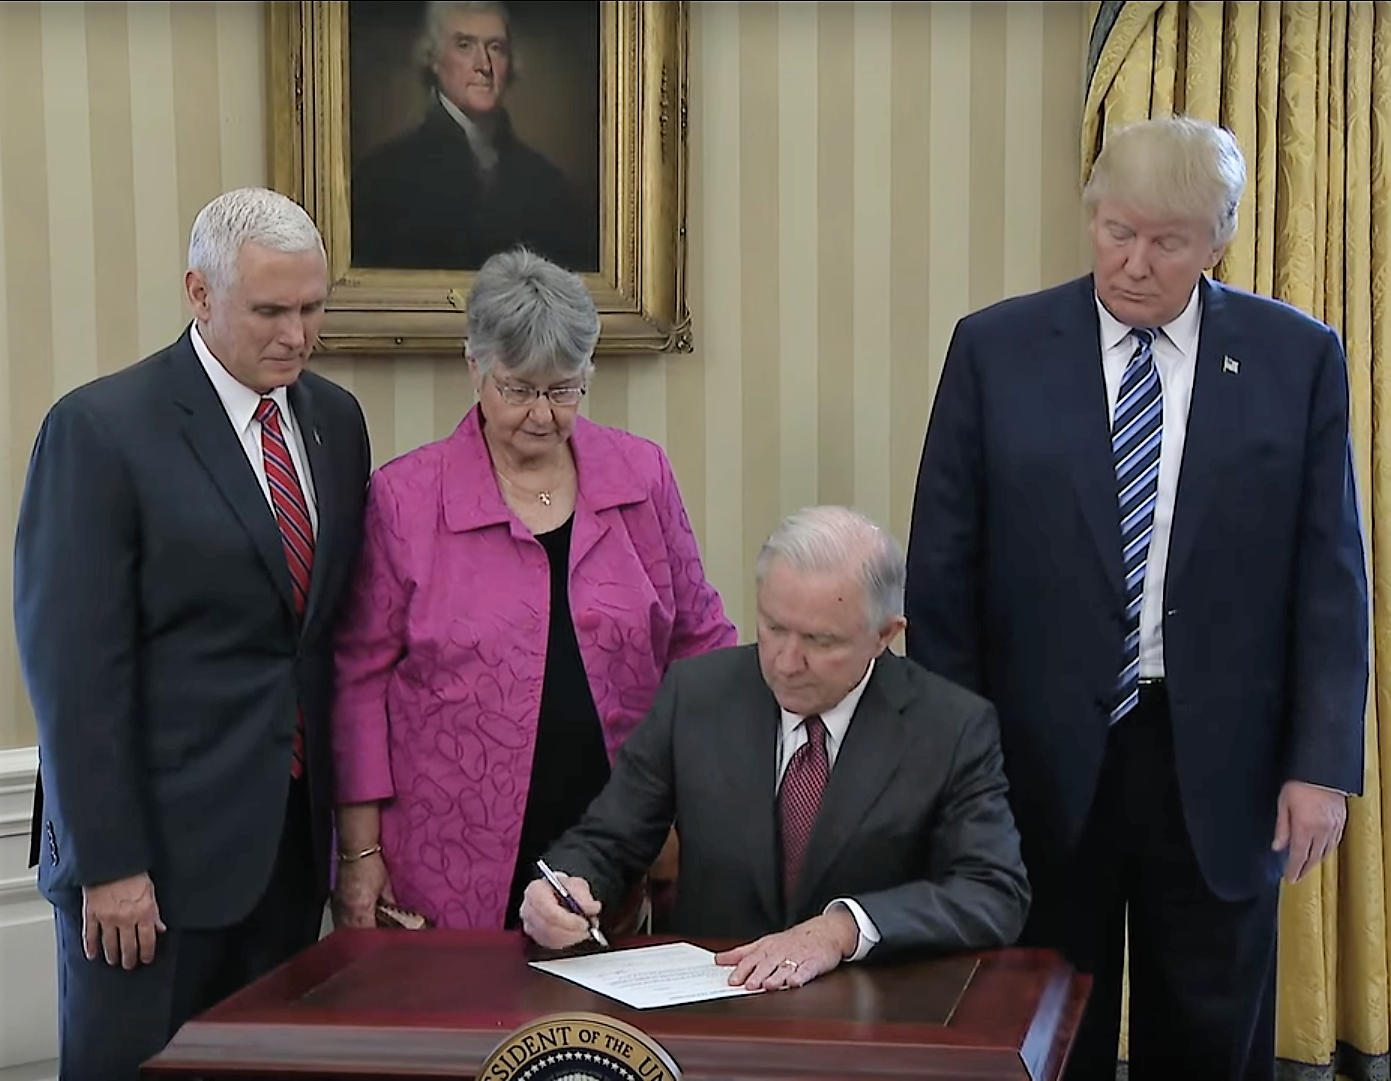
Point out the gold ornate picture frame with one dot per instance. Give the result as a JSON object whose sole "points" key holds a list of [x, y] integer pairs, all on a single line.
{"points": [[639, 285]]}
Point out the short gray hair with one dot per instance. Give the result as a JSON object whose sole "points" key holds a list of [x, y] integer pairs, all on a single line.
{"points": [[247, 216], [831, 538], [427, 45], [531, 316], [1173, 167]]}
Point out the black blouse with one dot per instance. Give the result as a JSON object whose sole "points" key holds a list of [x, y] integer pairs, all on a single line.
{"points": [[570, 765]]}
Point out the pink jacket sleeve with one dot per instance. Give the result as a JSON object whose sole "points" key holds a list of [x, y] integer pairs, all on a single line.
{"points": [[701, 624], [368, 643]]}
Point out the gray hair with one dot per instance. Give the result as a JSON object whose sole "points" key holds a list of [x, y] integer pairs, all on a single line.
{"points": [[427, 45], [247, 216], [531, 316], [1173, 167], [830, 538]]}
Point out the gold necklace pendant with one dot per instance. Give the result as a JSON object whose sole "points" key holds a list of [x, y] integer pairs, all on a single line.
{"points": [[543, 496]]}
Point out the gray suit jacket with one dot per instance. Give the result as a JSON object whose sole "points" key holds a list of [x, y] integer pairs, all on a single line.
{"points": [[914, 823], [158, 637]]}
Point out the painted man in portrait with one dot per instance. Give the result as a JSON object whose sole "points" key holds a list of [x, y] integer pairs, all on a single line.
{"points": [[462, 186]]}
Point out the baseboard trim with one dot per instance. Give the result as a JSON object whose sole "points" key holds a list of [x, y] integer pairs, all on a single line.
{"points": [[34, 1071], [18, 767], [28, 981]]}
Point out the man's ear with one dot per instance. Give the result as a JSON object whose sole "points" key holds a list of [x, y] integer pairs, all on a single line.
{"points": [[891, 630], [196, 286]]}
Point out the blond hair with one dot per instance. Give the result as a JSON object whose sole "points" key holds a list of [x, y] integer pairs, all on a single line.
{"points": [[1172, 167]]}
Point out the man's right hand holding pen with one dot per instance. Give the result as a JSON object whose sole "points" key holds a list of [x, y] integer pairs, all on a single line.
{"points": [[547, 919]]}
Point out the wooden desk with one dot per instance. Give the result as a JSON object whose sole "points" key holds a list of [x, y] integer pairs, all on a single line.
{"points": [[397, 1005]]}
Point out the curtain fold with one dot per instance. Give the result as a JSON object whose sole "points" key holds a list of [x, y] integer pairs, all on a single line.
{"points": [[1306, 89]]}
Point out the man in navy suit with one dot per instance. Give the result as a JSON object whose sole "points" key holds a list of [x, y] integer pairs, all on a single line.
{"points": [[1136, 531], [186, 530]]}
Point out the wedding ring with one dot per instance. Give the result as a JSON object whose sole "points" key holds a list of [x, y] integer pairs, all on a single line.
{"points": [[791, 964]]}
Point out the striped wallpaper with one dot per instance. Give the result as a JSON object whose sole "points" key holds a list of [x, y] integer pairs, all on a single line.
{"points": [[862, 175]]}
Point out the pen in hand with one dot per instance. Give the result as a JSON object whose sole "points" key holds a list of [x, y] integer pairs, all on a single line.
{"points": [[570, 903]]}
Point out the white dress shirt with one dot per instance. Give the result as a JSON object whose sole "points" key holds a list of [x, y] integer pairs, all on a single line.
{"points": [[1176, 360], [836, 721], [484, 149], [241, 403]]}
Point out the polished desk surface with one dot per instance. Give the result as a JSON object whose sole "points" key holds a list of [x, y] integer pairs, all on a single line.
{"points": [[398, 1004]]}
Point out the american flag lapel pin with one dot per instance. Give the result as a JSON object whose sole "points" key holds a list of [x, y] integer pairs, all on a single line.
{"points": [[1230, 365]]}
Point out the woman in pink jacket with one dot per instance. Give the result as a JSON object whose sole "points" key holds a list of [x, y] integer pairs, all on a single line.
{"points": [[523, 586]]}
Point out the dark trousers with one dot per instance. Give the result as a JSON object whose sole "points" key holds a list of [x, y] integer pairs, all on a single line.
{"points": [[111, 1020], [1202, 970]]}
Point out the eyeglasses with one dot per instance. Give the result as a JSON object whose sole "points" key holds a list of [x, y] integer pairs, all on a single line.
{"points": [[562, 396]]}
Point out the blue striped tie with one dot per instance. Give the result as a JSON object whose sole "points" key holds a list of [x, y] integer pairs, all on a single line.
{"points": [[1135, 437]]}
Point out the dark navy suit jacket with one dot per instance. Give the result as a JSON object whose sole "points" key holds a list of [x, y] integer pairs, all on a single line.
{"points": [[1014, 567], [159, 642]]}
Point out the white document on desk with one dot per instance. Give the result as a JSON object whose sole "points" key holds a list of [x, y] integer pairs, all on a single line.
{"points": [[649, 976]]}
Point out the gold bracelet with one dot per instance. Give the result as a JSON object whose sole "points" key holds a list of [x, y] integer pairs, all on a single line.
{"points": [[353, 857]]}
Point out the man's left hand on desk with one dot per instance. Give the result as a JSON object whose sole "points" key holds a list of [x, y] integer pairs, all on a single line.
{"points": [[796, 956]]}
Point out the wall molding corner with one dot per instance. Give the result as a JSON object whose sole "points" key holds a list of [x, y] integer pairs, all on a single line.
{"points": [[28, 981], [18, 767]]}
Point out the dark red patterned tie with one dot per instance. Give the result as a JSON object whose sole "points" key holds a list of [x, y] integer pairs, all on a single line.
{"points": [[799, 799], [296, 532]]}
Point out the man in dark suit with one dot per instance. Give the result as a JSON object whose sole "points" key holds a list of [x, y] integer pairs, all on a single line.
{"points": [[186, 528], [462, 186], [831, 798], [1136, 532]]}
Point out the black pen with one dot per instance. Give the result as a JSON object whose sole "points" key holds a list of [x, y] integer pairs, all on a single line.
{"points": [[570, 903]]}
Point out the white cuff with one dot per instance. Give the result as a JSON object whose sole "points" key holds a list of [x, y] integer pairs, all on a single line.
{"points": [[869, 934]]}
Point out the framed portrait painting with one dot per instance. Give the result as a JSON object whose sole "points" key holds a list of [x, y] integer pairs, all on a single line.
{"points": [[425, 137]]}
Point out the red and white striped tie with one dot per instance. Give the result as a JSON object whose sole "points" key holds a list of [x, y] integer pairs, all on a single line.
{"points": [[296, 532]]}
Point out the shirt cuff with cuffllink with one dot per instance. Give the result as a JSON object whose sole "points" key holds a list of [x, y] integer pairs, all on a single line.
{"points": [[869, 934]]}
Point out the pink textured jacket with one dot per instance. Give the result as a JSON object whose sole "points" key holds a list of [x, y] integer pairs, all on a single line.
{"points": [[442, 644]]}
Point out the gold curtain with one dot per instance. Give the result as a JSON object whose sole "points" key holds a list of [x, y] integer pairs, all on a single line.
{"points": [[1306, 89]]}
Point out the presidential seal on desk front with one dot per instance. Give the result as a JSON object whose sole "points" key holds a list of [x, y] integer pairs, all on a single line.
{"points": [[579, 1047]]}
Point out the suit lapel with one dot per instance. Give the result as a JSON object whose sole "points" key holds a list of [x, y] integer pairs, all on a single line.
{"points": [[752, 770], [867, 760], [1074, 374], [217, 447], [1213, 415], [325, 497]]}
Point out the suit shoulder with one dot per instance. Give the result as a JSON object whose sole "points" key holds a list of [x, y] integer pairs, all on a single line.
{"points": [[1272, 318], [1018, 312], [938, 695], [121, 394], [717, 675], [715, 663], [392, 162]]}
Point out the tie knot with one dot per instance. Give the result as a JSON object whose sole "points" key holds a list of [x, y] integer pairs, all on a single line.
{"points": [[814, 727], [1144, 336], [267, 411]]}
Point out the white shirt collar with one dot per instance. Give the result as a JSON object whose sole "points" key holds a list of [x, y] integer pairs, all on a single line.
{"points": [[1182, 331], [837, 718], [482, 147], [240, 401]]}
